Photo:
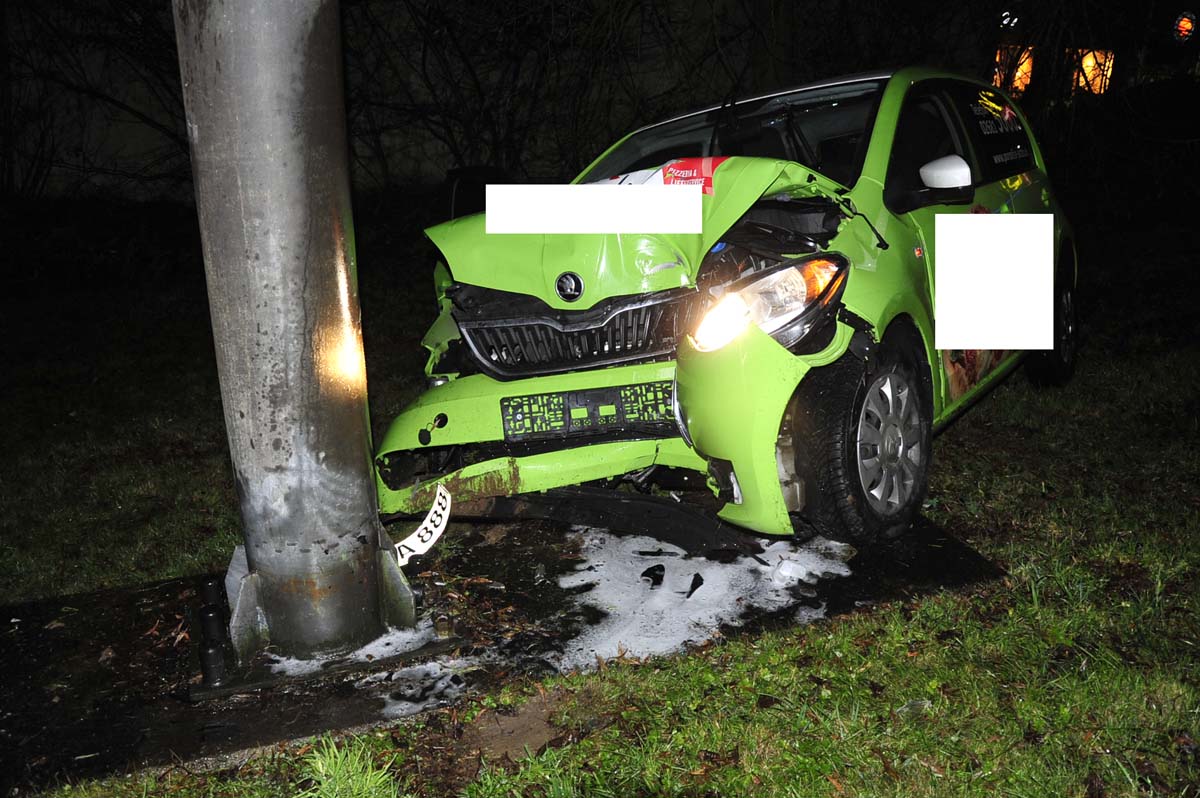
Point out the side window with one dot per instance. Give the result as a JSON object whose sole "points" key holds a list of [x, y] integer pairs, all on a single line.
{"points": [[922, 134], [997, 135]]}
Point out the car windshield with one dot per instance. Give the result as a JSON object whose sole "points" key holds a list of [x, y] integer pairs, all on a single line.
{"points": [[824, 128]]}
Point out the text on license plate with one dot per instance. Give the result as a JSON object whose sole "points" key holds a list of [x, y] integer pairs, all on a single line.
{"points": [[430, 529]]}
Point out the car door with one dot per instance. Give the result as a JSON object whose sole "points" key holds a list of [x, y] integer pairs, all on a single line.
{"points": [[929, 128], [1003, 159]]}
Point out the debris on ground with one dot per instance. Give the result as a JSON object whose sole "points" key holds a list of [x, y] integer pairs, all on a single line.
{"points": [[107, 690]]}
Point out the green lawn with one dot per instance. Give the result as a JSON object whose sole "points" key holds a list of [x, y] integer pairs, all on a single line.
{"points": [[116, 469], [1078, 674]]}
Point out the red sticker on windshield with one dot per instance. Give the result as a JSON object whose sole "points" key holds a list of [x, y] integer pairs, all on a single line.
{"points": [[692, 172]]}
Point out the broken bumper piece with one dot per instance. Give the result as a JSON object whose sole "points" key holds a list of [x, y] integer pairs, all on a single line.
{"points": [[754, 379]]}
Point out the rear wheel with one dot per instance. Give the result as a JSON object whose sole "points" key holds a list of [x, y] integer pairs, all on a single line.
{"points": [[1055, 366], [863, 440]]}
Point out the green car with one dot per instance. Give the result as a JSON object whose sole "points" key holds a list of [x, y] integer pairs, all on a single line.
{"points": [[782, 360]]}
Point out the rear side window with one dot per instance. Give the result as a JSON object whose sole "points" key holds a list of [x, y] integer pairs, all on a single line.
{"points": [[999, 139]]}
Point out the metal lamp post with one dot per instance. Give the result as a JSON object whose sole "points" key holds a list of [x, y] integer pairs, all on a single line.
{"points": [[263, 91]]}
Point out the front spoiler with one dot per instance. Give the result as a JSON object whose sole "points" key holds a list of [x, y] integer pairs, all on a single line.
{"points": [[509, 476]]}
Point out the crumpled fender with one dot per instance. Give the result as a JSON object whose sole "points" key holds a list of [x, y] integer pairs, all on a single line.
{"points": [[619, 264]]}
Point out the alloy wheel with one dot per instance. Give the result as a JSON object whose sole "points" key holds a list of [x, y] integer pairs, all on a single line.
{"points": [[889, 445]]}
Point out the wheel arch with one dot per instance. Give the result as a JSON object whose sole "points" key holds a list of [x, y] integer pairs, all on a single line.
{"points": [[824, 414], [1068, 259], [903, 328]]}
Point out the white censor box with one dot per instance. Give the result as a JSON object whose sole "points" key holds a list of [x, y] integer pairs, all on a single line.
{"points": [[994, 281], [594, 208]]}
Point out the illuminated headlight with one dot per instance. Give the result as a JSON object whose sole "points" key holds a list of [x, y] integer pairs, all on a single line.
{"points": [[785, 303]]}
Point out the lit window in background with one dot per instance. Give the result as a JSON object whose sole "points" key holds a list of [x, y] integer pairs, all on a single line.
{"points": [[1014, 67], [1185, 26], [1093, 68]]}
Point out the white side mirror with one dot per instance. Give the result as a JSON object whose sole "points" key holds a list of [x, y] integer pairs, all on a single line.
{"points": [[949, 171]]}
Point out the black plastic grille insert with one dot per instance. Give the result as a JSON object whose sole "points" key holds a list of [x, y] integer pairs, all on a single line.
{"points": [[523, 347]]}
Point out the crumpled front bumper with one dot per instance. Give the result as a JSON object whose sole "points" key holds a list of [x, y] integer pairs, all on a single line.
{"points": [[470, 412], [733, 402], [730, 402]]}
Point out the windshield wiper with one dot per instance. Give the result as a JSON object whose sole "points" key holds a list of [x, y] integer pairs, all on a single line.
{"points": [[729, 105], [720, 122], [807, 150]]}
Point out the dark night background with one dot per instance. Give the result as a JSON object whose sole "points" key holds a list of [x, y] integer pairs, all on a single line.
{"points": [[114, 466], [105, 333], [92, 116], [106, 363]]}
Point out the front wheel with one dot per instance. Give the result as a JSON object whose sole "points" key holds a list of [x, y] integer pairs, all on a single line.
{"points": [[863, 438]]}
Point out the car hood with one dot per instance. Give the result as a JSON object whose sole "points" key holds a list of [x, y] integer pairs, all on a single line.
{"points": [[620, 264]]}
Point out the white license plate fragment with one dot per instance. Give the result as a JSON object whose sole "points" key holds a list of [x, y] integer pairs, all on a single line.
{"points": [[430, 529]]}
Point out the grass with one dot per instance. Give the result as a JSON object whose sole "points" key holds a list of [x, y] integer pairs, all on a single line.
{"points": [[1077, 674], [118, 472], [346, 770], [322, 768], [116, 469]]}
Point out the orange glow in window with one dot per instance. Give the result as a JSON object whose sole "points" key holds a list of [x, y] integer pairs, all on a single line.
{"points": [[1185, 25], [1093, 68], [1014, 68]]}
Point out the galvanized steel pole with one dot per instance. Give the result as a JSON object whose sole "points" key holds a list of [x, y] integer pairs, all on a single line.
{"points": [[263, 91]]}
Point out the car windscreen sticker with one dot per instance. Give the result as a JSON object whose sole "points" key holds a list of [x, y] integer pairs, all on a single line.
{"points": [[692, 172], [679, 172]]}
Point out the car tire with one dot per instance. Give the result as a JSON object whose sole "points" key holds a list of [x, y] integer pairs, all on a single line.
{"points": [[863, 440], [1056, 366]]}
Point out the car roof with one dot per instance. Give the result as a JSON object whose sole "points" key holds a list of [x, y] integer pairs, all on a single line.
{"points": [[861, 77]]}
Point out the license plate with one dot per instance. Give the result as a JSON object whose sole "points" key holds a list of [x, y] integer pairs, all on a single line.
{"points": [[430, 529], [592, 410]]}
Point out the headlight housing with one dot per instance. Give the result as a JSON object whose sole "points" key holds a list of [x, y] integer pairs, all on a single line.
{"points": [[785, 302]]}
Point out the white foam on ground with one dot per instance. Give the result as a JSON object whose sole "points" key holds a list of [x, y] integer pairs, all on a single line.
{"points": [[414, 689], [395, 641], [641, 621], [644, 621]]}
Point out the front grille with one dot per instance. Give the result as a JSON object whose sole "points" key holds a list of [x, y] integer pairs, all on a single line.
{"points": [[523, 347]]}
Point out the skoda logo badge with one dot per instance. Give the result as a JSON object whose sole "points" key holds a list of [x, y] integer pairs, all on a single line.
{"points": [[569, 286]]}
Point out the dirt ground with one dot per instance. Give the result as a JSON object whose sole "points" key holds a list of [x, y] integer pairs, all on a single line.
{"points": [[82, 700]]}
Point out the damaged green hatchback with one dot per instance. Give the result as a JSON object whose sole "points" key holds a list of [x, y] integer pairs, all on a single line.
{"points": [[781, 360]]}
